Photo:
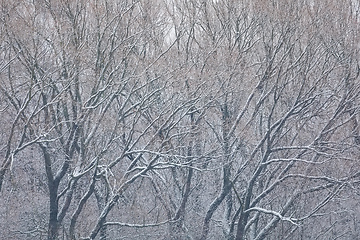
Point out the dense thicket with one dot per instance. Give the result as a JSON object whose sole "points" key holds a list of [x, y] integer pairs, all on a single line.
{"points": [[139, 119]]}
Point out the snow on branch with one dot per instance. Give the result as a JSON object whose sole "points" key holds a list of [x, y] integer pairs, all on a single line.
{"points": [[133, 225], [277, 214]]}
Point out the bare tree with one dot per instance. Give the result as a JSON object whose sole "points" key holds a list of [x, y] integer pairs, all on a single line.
{"points": [[179, 119]]}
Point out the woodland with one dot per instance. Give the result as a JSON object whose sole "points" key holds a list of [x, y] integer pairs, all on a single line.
{"points": [[179, 119]]}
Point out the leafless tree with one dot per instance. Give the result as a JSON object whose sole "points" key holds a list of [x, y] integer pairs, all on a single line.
{"points": [[179, 119]]}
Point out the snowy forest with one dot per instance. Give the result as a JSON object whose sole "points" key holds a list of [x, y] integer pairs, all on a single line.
{"points": [[180, 119]]}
